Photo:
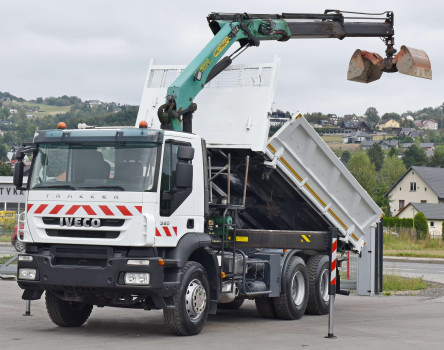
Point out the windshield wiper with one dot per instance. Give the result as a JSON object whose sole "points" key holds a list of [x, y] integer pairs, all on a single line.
{"points": [[120, 188], [69, 187]]}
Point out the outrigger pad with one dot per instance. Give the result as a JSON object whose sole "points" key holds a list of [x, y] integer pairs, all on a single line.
{"points": [[413, 62]]}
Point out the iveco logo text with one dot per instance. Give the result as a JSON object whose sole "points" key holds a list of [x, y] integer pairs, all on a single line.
{"points": [[79, 222]]}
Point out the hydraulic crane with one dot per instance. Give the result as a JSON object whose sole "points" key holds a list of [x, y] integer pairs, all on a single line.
{"points": [[250, 29]]}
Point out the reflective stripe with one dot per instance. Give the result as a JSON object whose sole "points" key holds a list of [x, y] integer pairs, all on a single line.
{"points": [[41, 208], [89, 210], [56, 209], [124, 210], [106, 210], [166, 231], [72, 210], [334, 247]]}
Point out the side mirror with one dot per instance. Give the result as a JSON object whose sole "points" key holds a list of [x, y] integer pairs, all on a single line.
{"points": [[184, 175], [185, 153], [184, 170], [19, 165], [18, 174]]}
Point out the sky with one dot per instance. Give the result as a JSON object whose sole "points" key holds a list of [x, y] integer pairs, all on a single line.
{"points": [[101, 50]]}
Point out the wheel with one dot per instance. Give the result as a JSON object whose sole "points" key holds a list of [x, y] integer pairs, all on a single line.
{"points": [[191, 302], [292, 302], [265, 307], [318, 279], [67, 313], [234, 305], [19, 245]]}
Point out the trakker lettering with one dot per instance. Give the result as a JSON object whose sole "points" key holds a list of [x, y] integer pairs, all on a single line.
{"points": [[80, 222]]}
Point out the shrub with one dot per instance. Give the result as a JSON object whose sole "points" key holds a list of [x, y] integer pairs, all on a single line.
{"points": [[442, 231], [397, 222], [421, 226]]}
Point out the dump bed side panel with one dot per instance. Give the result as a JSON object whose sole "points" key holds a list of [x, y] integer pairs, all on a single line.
{"points": [[298, 152]]}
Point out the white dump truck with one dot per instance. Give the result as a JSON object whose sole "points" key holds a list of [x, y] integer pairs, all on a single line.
{"points": [[152, 217]]}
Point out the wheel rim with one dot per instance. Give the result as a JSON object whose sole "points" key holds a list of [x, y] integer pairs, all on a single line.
{"points": [[323, 285], [298, 288], [19, 246], [195, 299]]}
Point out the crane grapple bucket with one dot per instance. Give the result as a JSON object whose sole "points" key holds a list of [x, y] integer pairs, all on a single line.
{"points": [[365, 67], [413, 62]]}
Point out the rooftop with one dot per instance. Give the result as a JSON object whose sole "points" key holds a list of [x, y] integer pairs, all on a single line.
{"points": [[432, 211]]}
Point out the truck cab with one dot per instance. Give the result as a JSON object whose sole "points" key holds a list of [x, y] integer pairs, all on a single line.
{"points": [[115, 187], [108, 216]]}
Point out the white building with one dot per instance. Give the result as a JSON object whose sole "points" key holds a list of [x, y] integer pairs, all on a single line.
{"points": [[433, 212], [417, 185], [10, 197]]}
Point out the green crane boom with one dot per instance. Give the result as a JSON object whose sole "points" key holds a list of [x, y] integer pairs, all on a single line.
{"points": [[251, 29]]}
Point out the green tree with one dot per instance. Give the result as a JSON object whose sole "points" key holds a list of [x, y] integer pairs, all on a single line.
{"points": [[5, 170], [407, 123], [372, 116], [391, 115], [315, 117], [39, 100], [421, 225], [363, 170], [392, 169], [345, 157], [393, 152], [437, 160], [376, 155], [414, 156]]}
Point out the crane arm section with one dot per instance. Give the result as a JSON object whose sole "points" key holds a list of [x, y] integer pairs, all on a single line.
{"points": [[250, 30]]}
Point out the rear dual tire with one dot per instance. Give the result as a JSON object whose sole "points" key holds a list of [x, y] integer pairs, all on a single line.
{"points": [[318, 276], [291, 304]]}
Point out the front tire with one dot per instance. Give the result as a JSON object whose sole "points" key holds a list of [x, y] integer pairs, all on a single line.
{"points": [[291, 304], [318, 278], [191, 302], [66, 313]]}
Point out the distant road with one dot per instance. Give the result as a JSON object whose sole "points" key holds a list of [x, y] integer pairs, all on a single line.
{"points": [[429, 272], [7, 250]]}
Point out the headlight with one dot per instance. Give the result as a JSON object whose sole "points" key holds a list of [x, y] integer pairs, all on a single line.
{"points": [[138, 262], [137, 278], [27, 274]]}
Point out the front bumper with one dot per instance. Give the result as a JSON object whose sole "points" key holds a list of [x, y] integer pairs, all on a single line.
{"points": [[96, 271]]}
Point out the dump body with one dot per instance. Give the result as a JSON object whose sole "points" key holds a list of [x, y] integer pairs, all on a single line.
{"points": [[301, 155], [296, 182]]}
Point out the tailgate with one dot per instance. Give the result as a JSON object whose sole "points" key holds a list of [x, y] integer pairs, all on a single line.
{"points": [[299, 152]]}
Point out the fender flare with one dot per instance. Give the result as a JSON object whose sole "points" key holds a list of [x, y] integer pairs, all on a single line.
{"points": [[189, 243]]}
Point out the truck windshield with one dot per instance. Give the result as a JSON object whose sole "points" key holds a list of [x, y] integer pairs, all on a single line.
{"points": [[96, 167]]}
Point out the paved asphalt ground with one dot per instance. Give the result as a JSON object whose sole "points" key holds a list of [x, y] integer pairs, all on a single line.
{"points": [[381, 322]]}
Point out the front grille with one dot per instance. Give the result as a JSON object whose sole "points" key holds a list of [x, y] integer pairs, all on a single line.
{"points": [[103, 222], [79, 262], [82, 233], [81, 250]]}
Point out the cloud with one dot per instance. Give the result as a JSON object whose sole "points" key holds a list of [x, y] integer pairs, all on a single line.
{"points": [[101, 49]]}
